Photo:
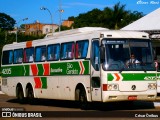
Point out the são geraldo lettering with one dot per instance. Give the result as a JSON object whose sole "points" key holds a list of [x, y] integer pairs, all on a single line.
{"points": [[70, 69]]}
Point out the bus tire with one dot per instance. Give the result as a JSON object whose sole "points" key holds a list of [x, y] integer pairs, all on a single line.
{"points": [[30, 95], [84, 105], [20, 95]]}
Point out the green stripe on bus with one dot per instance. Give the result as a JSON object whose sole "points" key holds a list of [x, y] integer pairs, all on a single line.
{"points": [[69, 68], [26, 70], [40, 69], [44, 82], [86, 64], [132, 76], [10, 71], [61, 68]]}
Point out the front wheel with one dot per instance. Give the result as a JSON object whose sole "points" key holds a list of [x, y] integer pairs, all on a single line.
{"points": [[83, 100], [20, 95]]}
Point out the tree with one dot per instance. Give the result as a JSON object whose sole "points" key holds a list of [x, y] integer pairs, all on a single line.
{"points": [[6, 22], [89, 19], [71, 18], [112, 18], [63, 28], [118, 14]]}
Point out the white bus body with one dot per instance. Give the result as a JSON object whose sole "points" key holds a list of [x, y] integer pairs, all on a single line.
{"points": [[99, 73]]}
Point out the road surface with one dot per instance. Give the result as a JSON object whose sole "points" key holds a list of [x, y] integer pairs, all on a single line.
{"points": [[60, 109]]}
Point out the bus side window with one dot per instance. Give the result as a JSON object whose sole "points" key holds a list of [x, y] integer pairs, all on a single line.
{"points": [[28, 55], [7, 57], [18, 56], [67, 50], [81, 49], [40, 53], [95, 55], [53, 52]]}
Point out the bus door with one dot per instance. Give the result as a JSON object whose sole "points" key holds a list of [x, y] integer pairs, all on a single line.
{"points": [[95, 71]]}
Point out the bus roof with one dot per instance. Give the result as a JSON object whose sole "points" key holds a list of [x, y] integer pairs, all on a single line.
{"points": [[75, 31], [79, 34], [124, 34]]}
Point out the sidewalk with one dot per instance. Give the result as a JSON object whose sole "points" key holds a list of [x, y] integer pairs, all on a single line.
{"points": [[0, 90], [0, 85], [157, 102]]}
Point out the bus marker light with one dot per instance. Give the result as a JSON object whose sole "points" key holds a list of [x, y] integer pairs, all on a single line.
{"points": [[104, 87], [109, 87], [132, 97]]}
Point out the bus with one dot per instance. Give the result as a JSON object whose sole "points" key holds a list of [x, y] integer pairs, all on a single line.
{"points": [[87, 65], [156, 46]]}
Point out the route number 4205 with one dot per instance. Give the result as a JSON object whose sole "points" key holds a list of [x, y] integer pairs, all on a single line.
{"points": [[6, 71]]}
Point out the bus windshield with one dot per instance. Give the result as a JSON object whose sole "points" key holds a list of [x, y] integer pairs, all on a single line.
{"points": [[127, 54]]}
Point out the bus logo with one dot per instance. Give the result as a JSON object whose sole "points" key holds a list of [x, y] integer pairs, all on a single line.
{"points": [[133, 87]]}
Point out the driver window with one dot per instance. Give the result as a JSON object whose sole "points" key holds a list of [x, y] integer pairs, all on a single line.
{"points": [[95, 57]]}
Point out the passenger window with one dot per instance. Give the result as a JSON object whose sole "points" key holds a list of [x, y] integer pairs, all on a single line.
{"points": [[18, 56], [81, 49], [67, 50], [40, 53], [95, 55], [28, 55], [7, 57], [53, 52]]}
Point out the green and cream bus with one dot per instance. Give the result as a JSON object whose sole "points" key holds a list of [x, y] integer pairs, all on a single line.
{"points": [[85, 64]]}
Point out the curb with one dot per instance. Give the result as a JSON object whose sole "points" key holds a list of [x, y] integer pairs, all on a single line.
{"points": [[1, 92], [156, 104]]}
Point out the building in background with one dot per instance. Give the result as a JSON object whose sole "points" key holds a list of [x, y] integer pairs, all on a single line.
{"points": [[67, 23], [38, 28]]}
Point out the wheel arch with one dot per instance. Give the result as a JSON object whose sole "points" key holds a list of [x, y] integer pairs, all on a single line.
{"points": [[19, 85], [29, 85], [78, 88]]}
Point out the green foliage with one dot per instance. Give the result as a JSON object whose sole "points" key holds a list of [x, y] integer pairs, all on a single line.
{"points": [[6, 22], [89, 19], [112, 18], [71, 18], [63, 28]]}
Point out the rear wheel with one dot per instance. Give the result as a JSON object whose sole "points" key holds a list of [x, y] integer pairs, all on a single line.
{"points": [[30, 95]]}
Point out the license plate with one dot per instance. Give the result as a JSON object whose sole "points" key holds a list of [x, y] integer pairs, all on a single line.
{"points": [[132, 97]]}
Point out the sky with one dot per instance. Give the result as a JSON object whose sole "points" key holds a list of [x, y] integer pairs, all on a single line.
{"points": [[20, 9]]}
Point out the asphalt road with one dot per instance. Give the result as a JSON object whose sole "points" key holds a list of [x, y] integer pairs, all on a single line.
{"points": [[53, 109]]}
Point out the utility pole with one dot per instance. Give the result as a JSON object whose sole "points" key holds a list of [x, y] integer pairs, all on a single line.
{"points": [[44, 8], [17, 26], [60, 14]]}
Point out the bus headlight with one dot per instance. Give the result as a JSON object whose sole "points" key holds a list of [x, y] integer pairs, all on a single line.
{"points": [[152, 86], [112, 87]]}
